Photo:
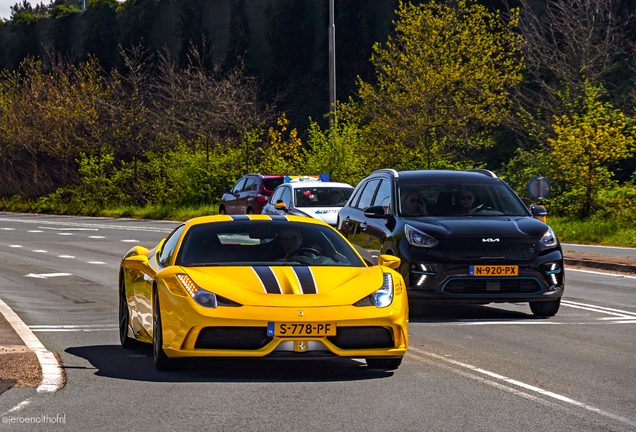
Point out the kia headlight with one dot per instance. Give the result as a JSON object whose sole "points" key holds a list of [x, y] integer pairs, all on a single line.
{"points": [[549, 238], [417, 238]]}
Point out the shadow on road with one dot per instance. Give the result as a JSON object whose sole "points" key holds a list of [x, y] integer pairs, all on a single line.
{"points": [[440, 312], [137, 364]]}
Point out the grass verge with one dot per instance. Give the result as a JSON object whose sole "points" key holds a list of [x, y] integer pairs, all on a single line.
{"points": [[602, 232], [147, 212]]}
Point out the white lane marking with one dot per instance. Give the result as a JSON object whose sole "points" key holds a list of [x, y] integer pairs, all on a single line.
{"points": [[7, 229], [19, 406], [130, 241], [40, 251], [598, 246], [51, 370], [97, 237], [482, 380], [35, 231], [599, 273], [98, 226], [47, 275], [65, 233], [72, 326], [96, 262], [15, 246], [74, 330], [598, 308], [69, 229], [65, 256], [527, 387]]}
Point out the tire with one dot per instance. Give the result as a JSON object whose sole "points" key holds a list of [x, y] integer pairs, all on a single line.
{"points": [[124, 317], [545, 308], [383, 363], [250, 210], [162, 362], [222, 210]]}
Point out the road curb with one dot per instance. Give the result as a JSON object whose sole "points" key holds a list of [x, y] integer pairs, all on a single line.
{"points": [[587, 263], [52, 378]]}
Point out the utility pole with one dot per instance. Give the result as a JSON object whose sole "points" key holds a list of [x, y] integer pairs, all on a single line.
{"points": [[332, 66]]}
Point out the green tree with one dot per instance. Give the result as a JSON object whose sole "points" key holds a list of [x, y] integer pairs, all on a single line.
{"points": [[589, 138], [442, 79]]}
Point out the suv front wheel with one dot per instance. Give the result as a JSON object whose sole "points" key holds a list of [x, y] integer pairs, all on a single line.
{"points": [[545, 308]]}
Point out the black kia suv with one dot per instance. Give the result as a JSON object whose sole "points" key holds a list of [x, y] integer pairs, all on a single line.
{"points": [[462, 236]]}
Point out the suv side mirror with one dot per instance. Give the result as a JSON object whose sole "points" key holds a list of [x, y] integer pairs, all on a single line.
{"points": [[538, 211], [375, 212]]}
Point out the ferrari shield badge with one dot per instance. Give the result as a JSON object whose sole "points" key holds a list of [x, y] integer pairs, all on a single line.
{"points": [[300, 346]]}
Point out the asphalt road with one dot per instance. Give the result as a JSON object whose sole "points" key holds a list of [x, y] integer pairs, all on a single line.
{"points": [[468, 367]]}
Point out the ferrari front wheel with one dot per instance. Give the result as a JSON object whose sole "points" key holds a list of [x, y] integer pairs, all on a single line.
{"points": [[124, 317], [383, 363], [162, 362]]}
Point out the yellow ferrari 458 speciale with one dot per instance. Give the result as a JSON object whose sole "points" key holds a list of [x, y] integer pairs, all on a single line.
{"points": [[262, 286]]}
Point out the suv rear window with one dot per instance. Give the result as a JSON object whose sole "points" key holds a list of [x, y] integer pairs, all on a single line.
{"points": [[270, 184]]}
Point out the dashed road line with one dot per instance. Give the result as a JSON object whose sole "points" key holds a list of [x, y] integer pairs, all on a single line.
{"points": [[66, 256], [15, 246], [95, 262], [47, 275], [40, 251], [92, 225]]}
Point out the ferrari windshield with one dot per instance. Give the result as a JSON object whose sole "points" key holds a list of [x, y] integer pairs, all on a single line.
{"points": [[322, 196], [271, 243], [490, 198]]}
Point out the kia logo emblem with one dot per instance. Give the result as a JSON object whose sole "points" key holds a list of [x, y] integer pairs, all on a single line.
{"points": [[490, 240]]}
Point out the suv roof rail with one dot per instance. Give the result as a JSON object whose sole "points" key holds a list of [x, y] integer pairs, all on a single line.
{"points": [[391, 171], [255, 174], [483, 171]]}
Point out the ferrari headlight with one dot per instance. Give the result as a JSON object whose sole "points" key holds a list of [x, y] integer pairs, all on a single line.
{"points": [[549, 238], [383, 297], [417, 238], [201, 296]]}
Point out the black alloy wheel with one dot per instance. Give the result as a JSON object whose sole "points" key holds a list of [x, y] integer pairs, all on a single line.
{"points": [[381, 363], [124, 317], [162, 362], [222, 210]]}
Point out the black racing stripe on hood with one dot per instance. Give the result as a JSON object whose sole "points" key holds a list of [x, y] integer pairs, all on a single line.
{"points": [[306, 280], [240, 217], [279, 218], [268, 279]]}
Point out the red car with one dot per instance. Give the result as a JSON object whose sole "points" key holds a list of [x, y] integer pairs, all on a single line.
{"points": [[250, 194]]}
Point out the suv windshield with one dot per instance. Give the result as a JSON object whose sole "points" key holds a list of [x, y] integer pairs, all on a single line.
{"points": [[270, 243], [436, 198], [322, 196]]}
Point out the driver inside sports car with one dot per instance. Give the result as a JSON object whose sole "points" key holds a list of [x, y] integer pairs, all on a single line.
{"points": [[290, 240]]}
